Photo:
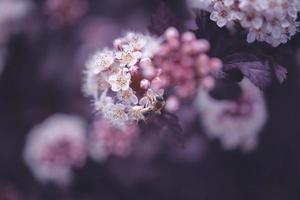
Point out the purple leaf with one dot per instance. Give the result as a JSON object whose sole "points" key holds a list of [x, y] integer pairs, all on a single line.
{"points": [[162, 19], [257, 70], [280, 73]]}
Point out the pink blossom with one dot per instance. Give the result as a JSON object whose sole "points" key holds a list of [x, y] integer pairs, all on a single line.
{"points": [[105, 140], [54, 147], [237, 123]]}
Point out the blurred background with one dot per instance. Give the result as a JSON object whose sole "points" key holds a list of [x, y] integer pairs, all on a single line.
{"points": [[43, 47]]}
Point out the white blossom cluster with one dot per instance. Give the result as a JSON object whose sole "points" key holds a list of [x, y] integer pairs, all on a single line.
{"points": [[121, 84], [236, 124], [54, 147], [271, 21]]}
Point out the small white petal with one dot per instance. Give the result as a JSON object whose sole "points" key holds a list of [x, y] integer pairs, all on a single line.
{"points": [[221, 22], [251, 37]]}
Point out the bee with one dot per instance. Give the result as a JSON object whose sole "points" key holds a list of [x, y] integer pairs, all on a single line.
{"points": [[154, 106], [158, 121]]}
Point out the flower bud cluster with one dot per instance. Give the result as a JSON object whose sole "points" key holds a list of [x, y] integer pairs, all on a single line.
{"points": [[184, 63]]}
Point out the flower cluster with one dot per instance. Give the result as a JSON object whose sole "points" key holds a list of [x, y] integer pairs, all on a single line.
{"points": [[120, 82], [128, 82], [54, 147], [271, 21], [236, 123], [105, 140], [184, 64]]}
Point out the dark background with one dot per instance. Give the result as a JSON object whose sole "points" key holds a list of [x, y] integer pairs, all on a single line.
{"points": [[42, 76]]}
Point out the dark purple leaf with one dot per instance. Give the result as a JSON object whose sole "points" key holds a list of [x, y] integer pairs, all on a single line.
{"points": [[280, 73], [257, 70], [162, 19]]}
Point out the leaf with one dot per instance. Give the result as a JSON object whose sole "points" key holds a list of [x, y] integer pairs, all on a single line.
{"points": [[280, 73], [257, 70], [162, 19]]}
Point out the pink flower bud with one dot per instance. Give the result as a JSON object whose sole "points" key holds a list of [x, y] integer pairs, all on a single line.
{"points": [[164, 50], [171, 33], [133, 69], [188, 37], [172, 104], [146, 62], [208, 83], [215, 64], [145, 84], [174, 43], [200, 45]]}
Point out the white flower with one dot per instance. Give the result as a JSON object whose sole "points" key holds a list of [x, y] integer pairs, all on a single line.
{"points": [[146, 101], [117, 115], [128, 57], [256, 34], [93, 84], [252, 19], [274, 28], [120, 81], [136, 114], [228, 2], [128, 96], [103, 103], [90, 87], [136, 41], [221, 14], [100, 61], [113, 70], [258, 5], [152, 46], [135, 46]]}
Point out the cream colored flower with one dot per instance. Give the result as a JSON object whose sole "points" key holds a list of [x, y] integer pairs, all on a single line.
{"points": [[128, 96], [100, 61], [136, 114], [128, 57], [117, 114], [120, 81]]}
